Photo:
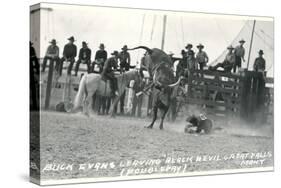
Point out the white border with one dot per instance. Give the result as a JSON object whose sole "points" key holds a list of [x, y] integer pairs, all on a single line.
{"points": [[164, 11], [153, 176], [14, 139]]}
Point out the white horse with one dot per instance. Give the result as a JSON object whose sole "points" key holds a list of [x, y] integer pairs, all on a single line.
{"points": [[92, 83]]}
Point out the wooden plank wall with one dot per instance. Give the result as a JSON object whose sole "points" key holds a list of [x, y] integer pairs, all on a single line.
{"points": [[216, 92], [227, 94]]}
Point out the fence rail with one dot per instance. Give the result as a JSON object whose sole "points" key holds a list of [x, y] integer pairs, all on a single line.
{"points": [[230, 94]]}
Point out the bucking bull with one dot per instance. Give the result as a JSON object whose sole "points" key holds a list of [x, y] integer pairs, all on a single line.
{"points": [[159, 66]]}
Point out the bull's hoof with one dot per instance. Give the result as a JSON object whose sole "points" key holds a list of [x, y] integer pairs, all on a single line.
{"points": [[148, 127], [161, 128]]}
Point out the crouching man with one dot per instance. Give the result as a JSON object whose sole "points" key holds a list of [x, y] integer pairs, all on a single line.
{"points": [[228, 62], [197, 124]]}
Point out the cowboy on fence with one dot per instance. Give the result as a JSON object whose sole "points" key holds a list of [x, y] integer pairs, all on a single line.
{"points": [[228, 62], [125, 59], [259, 64], [100, 58], [110, 66], [69, 54], [84, 57], [239, 55], [52, 54], [201, 57]]}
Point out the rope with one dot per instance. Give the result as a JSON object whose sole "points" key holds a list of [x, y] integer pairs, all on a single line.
{"points": [[153, 26], [270, 67], [266, 34], [182, 30], [263, 40], [178, 41], [141, 34], [238, 35]]}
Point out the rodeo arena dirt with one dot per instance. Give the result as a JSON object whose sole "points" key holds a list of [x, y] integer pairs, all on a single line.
{"points": [[155, 115]]}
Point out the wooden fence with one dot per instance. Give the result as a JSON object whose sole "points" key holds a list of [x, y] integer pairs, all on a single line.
{"points": [[225, 94], [248, 95]]}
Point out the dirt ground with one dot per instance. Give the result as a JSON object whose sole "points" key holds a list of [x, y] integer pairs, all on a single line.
{"points": [[76, 139]]}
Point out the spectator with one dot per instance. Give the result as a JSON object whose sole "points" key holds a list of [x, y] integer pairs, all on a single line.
{"points": [[125, 59], [84, 57], [228, 62], [52, 54], [201, 57], [239, 55], [100, 58], [69, 54], [259, 64]]}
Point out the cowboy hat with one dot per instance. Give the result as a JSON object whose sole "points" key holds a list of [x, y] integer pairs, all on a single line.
{"points": [[189, 45], [230, 47], [115, 53], [242, 41], [71, 38], [260, 51], [200, 46], [84, 43], [101, 45], [53, 41], [125, 47]]}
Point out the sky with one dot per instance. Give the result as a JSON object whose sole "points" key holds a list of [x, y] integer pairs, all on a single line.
{"points": [[116, 27]]}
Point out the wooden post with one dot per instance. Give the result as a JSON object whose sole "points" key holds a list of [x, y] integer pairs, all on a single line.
{"points": [[49, 84]]}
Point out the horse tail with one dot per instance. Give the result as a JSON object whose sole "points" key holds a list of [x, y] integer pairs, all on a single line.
{"points": [[80, 94]]}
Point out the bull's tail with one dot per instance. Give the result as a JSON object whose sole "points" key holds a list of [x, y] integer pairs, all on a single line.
{"points": [[80, 94], [142, 47]]}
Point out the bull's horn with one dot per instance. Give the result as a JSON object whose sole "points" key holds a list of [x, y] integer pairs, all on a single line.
{"points": [[175, 84], [142, 47]]}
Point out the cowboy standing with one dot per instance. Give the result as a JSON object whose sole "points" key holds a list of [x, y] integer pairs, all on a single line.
{"points": [[125, 59], [52, 54], [239, 55], [188, 47], [110, 66], [84, 57], [201, 57], [100, 58], [182, 65], [259, 64], [69, 54], [228, 62], [191, 61]]}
